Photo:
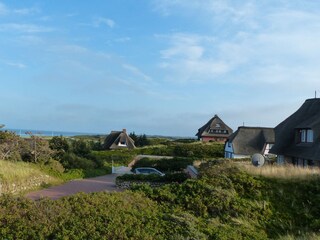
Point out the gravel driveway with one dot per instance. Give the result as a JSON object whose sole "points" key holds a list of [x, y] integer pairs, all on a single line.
{"points": [[96, 184]]}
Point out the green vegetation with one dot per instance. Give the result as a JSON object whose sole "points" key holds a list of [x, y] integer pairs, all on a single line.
{"points": [[80, 157], [117, 157], [139, 141], [168, 178], [226, 202], [10, 172], [165, 164], [180, 149], [60, 158]]}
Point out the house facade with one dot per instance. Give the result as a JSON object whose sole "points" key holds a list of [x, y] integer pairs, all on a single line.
{"points": [[214, 130], [247, 141], [297, 138], [118, 140]]}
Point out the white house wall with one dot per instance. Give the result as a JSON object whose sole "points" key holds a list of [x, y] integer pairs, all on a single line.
{"points": [[228, 150], [267, 148]]}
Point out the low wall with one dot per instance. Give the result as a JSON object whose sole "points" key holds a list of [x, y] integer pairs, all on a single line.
{"points": [[127, 184], [30, 183]]}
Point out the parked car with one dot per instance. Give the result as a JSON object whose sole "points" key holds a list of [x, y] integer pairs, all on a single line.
{"points": [[147, 171]]}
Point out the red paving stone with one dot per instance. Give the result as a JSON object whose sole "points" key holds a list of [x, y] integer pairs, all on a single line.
{"points": [[97, 184]]}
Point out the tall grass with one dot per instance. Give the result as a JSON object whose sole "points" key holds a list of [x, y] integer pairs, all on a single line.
{"points": [[13, 171], [310, 236], [283, 172], [19, 172]]}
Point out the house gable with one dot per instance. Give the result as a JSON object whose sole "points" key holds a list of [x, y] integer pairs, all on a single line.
{"points": [[298, 135], [118, 139], [215, 129], [247, 141]]}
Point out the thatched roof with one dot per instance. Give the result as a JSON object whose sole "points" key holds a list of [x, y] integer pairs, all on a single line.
{"points": [[115, 137], [251, 140], [307, 117], [211, 128]]}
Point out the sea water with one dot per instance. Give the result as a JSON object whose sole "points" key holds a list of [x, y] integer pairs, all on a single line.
{"points": [[27, 132]]}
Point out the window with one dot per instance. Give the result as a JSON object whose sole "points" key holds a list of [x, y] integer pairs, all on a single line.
{"points": [[309, 135], [217, 125], [280, 159], [305, 135]]}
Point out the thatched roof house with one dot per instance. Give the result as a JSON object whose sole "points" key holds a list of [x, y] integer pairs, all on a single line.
{"points": [[214, 130], [247, 141], [119, 139], [298, 136]]}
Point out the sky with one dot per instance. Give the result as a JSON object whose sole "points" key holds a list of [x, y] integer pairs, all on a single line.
{"points": [[159, 67]]}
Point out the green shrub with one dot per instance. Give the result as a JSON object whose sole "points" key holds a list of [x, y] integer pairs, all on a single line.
{"points": [[173, 177], [118, 157], [72, 174], [83, 216], [201, 150], [164, 164], [71, 160]]}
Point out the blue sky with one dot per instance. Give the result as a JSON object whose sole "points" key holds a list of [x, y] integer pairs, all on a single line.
{"points": [[156, 67]]}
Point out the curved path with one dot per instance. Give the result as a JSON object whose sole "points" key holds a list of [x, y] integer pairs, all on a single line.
{"points": [[96, 184]]}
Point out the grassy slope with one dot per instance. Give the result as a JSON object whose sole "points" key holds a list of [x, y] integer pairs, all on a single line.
{"points": [[294, 195], [226, 203], [20, 172]]}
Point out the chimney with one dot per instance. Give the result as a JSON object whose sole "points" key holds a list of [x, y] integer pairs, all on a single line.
{"points": [[124, 130]]}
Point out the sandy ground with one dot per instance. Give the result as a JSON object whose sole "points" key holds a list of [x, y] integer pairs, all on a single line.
{"points": [[96, 184]]}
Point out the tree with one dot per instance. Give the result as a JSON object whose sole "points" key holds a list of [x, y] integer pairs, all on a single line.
{"points": [[60, 145], [10, 146], [133, 136], [81, 147], [143, 140], [140, 140], [39, 149]]}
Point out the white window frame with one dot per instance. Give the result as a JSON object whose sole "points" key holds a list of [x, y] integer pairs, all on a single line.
{"points": [[303, 134], [309, 136]]}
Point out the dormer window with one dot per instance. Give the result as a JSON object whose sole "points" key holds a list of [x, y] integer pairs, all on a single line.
{"points": [[122, 144], [305, 135]]}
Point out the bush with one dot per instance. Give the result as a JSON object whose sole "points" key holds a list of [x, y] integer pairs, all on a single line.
{"points": [[165, 164], [118, 157], [169, 178], [201, 150], [70, 160], [83, 216]]}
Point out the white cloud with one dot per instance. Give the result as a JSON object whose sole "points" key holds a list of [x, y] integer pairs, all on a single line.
{"points": [[26, 11], [123, 39], [103, 21], [3, 9], [16, 65], [237, 12], [31, 39], [26, 28], [188, 58], [136, 71], [251, 43]]}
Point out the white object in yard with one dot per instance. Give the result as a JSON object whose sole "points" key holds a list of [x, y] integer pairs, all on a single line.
{"points": [[192, 171], [121, 170]]}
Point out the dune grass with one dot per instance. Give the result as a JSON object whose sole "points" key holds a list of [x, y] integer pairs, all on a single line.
{"points": [[310, 236], [12, 172], [283, 172]]}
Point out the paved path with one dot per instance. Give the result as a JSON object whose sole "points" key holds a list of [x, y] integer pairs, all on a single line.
{"points": [[96, 184]]}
